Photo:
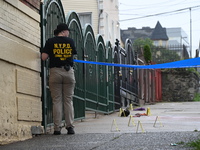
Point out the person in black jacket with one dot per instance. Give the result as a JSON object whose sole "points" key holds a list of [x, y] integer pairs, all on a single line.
{"points": [[60, 50]]}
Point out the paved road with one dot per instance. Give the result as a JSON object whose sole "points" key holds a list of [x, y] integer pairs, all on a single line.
{"points": [[169, 127]]}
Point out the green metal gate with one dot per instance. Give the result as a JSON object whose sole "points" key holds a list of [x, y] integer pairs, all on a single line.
{"points": [[79, 92], [132, 81], [102, 101], [90, 69], [110, 78], [51, 15], [117, 78]]}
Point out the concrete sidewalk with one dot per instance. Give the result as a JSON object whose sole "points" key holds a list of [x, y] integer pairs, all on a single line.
{"points": [[183, 116], [175, 124]]}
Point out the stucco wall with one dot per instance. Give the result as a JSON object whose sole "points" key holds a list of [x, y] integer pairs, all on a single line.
{"points": [[20, 82]]}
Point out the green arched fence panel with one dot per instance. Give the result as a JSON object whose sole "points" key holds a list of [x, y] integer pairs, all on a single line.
{"points": [[102, 100], [132, 85], [117, 78], [79, 92], [110, 77], [90, 69], [51, 15], [129, 60]]}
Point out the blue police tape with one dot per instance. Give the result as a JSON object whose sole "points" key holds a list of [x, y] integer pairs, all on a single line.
{"points": [[187, 63]]}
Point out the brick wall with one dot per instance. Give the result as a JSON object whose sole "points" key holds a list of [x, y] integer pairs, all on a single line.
{"points": [[20, 82], [33, 4]]}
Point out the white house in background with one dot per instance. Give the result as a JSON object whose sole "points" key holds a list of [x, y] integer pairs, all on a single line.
{"points": [[177, 36], [103, 15]]}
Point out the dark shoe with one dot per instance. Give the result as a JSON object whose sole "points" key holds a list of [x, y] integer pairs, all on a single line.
{"points": [[57, 133], [70, 130]]}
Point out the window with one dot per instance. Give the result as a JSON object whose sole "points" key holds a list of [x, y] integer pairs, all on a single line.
{"points": [[85, 18]]}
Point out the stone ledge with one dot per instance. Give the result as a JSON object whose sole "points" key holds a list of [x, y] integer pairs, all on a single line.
{"points": [[37, 130]]}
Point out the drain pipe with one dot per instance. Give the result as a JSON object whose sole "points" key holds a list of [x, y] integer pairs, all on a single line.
{"points": [[100, 11]]}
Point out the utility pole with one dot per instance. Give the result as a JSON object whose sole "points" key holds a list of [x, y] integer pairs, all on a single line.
{"points": [[190, 33]]}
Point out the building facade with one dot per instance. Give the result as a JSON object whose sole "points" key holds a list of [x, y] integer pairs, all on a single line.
{"points": [[173, 36], [174, 39], [103, 15], [20, 83]]}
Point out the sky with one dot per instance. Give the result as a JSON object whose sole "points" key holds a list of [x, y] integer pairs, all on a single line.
{"points": [[170, 14]]}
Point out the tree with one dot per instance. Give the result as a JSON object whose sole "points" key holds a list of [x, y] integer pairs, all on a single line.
{"points": [[138, 43], [147, 53], [162, 55], [158, 54]]}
